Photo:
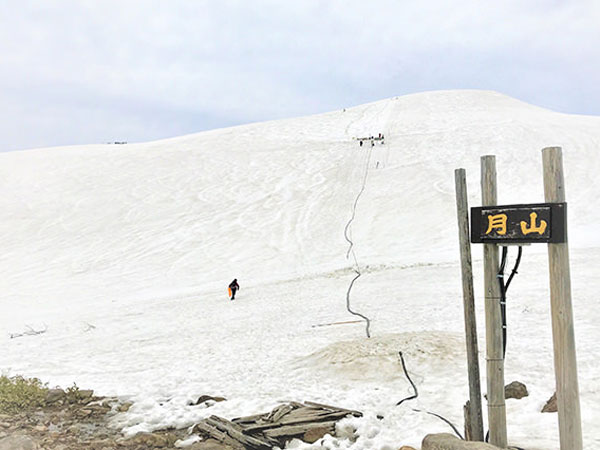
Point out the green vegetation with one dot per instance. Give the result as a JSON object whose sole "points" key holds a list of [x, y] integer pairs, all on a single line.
{"points": [[73, 394], [18, 394]]}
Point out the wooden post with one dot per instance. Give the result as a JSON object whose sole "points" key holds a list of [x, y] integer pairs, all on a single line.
{"points": [[493, 316], [565, 360], [475, 419]]}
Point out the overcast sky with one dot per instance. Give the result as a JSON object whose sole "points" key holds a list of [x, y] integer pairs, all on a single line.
{"points": [[86, 72]]}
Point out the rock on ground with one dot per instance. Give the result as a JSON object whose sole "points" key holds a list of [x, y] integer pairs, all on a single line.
{"points": [[550, 405], [210, 444], [446, 441], [516, 390]]}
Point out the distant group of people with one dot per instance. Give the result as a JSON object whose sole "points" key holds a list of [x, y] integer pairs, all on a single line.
{"points": [[234, 285], [372, 139]]}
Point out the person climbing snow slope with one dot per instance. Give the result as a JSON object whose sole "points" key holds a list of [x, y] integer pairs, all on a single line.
{"points": [[233, 288]]}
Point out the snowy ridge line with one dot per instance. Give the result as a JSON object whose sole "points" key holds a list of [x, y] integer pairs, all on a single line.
{"points": [[351, 247], [457, 128]]}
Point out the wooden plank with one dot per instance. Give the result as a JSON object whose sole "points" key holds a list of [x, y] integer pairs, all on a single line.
{"points": [[236, 432], [279, 412], [333, 408], [303, 415], [493, 316], [468, 424], [474, 413], [563, 333], [297, 430], [214, 433], [249, 419], [318, 415], [304, 421]]}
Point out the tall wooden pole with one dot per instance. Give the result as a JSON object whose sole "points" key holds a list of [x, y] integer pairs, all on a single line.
{"points": [[563, 335], [493, 316], [462, 212]]}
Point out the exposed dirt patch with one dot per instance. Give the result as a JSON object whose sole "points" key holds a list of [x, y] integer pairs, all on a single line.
{"points": [[76, 422]]}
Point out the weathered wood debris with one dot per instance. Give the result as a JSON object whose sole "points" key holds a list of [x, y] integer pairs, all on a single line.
{"points": [[307, 421]]}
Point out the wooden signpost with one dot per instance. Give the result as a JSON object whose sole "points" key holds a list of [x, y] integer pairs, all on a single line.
{"points": [[493, 316], [495, 225], [563, 334], [519, 224], [474, 419]]}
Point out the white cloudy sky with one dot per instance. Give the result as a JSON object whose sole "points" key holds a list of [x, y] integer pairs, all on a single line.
{"points": [[83, 71]]}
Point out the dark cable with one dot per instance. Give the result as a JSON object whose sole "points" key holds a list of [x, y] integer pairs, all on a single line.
{"points": [[445, 420], [504, 289], [503, 298], [503, 263], [514, 271]]}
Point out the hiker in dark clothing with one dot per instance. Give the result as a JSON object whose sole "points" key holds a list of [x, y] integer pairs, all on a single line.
{"points": [[234, 286]]}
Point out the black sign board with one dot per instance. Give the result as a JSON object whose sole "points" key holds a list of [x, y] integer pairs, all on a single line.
{"points": [[519, 224]]}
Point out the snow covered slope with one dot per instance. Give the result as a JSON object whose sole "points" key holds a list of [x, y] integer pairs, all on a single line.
{"points": [[141, 240], [270, 200]]}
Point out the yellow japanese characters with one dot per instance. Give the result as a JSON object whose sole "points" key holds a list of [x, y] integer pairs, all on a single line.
{"points": [[533, 228], [498, 222]]}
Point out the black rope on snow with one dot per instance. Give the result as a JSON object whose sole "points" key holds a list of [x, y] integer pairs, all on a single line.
{"points": [[351, 248], [416, 394], [445, 420], [347, 227], [348, 303]]}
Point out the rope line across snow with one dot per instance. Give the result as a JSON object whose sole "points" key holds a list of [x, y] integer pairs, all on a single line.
{"points": [[351, 247]]}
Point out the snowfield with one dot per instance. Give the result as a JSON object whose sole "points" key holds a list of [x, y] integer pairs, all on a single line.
{"points": [[123, 253]]}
